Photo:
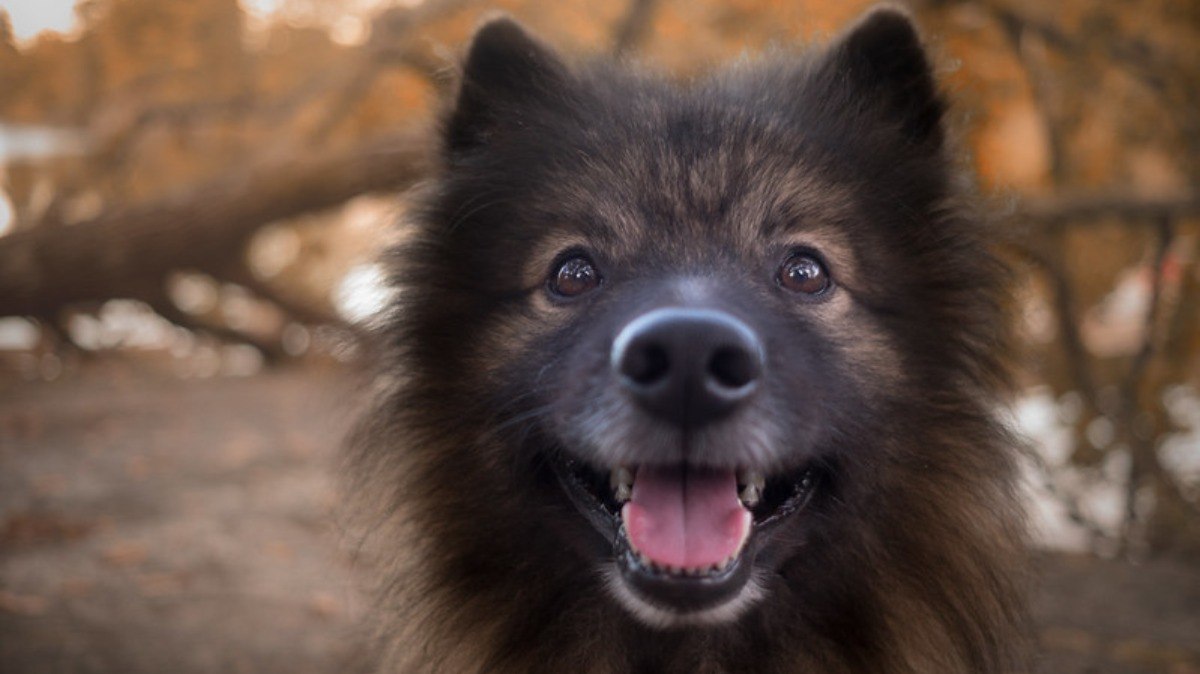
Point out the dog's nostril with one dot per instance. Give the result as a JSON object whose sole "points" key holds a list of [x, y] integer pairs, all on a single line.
{"points": [[687, 366], [646, 365], [733, 367]]}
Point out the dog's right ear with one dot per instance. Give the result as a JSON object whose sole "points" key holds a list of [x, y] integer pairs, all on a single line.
{"points": [[506, 71]]}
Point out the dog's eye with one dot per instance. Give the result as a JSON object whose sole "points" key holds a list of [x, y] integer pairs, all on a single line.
{"points": [[803, 273], [574, 276]]}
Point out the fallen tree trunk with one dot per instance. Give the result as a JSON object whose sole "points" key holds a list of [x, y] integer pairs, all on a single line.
{"points": [[128, 252]]}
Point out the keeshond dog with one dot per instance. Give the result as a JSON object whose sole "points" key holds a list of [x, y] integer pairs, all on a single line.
{"points": [[696, 376]]}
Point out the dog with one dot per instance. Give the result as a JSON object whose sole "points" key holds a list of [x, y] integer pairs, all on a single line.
{"points": [[695, 377]]}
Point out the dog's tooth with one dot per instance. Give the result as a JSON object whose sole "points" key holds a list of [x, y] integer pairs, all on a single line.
{"points": [[750, 494], [621, 481]]}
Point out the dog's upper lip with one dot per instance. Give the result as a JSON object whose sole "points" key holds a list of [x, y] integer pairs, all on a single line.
{"points": [[603, 518]]}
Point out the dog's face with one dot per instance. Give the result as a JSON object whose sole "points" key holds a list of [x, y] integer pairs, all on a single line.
{"points": [[694, 308]]}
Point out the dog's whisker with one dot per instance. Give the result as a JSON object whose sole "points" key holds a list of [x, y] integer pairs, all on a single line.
{"points": [[530, 415]]}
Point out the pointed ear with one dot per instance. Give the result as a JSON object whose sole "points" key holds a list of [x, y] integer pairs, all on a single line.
{"points": [[883, 58], [506, 71]]}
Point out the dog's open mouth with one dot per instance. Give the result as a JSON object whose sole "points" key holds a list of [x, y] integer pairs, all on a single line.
{"points": [[684, 537]]}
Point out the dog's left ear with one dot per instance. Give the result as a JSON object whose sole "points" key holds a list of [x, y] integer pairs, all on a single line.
{"points": [[883, 58], [507, 72]]}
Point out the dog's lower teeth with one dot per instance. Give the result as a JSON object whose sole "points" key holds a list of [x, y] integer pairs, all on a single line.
{"points": [[672, 569], [693, 571]]}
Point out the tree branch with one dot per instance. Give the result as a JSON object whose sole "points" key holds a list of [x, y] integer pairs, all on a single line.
{"points": [[1049, 258], [1069, 208], [634, 27], [1142, 458]]}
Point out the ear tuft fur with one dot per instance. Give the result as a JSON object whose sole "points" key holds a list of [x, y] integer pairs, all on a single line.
{"points": [[883, 55], [505, 68]]}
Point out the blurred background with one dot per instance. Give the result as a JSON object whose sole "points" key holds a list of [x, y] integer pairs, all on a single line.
{"points": [[192, 196]]}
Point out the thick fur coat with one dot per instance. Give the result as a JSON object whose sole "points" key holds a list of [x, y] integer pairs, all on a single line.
{"points": [[884, 383]]}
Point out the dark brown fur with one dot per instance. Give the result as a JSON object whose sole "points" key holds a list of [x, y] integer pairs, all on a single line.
{"points": [[908, 561]]}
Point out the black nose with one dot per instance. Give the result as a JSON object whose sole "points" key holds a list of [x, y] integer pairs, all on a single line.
{"points": [[688, 366]]}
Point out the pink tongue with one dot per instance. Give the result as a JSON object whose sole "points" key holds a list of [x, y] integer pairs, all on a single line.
{"points": [[689, 519]]}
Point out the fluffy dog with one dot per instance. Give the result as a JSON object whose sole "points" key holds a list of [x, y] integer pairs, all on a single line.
{"points": [[695, 377]]}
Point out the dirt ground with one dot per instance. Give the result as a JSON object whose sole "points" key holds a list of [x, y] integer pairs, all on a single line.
{"points": [[151, 524]]}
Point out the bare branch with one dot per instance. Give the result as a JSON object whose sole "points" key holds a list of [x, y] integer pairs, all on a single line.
{"points": [[1043, 94], [1166, 232], [634, 27], [1142, 457], [1048, 257], [1068, 208]]}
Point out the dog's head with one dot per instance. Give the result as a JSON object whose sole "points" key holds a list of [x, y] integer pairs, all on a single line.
{"points": [[718, 320]]}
